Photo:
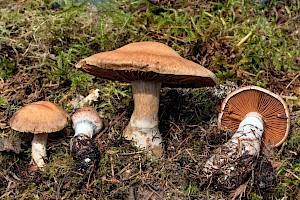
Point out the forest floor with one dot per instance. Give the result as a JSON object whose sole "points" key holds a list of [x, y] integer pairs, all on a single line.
{"points": [[242, 42]]}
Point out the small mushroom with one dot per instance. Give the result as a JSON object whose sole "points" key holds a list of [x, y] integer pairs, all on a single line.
{"points": [[39, 118], [86, 123], [258, 117], [147, 66]]}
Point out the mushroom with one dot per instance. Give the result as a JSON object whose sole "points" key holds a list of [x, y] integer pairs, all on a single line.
{"points": [[258, 117], [86, 123], [39, 118], [147, 66]]}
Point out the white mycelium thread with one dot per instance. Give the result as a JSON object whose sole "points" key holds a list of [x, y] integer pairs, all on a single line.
{"points": [[152, 138], [246, 141], [84, 127]]}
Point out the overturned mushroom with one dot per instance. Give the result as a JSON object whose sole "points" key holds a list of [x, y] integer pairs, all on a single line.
{"points": [[86, 123], [147, 66], [257, 116], [39, 118]]}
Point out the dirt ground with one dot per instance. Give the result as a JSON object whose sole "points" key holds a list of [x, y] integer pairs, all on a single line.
{"points": [[187, 121]]}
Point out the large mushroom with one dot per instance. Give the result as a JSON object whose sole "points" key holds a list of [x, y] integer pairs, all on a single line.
{"points": [[39, 118], [147, 66], [258, 117]]}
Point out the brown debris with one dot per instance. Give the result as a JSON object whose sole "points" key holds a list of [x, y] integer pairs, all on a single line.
{"points": [[264, 175], [10, 145], [145, 192], [237, 193]]}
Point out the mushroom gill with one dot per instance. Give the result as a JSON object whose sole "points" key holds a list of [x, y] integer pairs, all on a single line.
{"points": [[274, 114]]}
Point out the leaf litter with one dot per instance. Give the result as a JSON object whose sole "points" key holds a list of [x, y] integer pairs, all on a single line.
{"points": [[189, 129]]}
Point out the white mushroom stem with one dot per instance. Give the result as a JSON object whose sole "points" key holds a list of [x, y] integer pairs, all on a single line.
{"points": [[84, 127], [143, 125], [245, 142], [38, 150]]}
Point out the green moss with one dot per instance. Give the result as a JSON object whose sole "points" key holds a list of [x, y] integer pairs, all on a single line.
{"points": [[255, 196], [3, 101], [191, 189], [44, 43], [7, 68]]}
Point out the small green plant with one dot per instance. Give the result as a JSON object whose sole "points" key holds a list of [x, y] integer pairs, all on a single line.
{"points": [[191, 189], [64, 70], [294, 141], [59, 162], [7, 68], [289, 182], [255, 196], [113, 97], [3, 101]]}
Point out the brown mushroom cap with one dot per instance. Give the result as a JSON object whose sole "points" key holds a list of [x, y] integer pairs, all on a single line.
{"points": [[88, 114], [152, 61], [274, 111], [39, 117]]}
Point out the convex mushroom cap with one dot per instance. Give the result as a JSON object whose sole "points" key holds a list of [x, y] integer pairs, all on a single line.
{"points": [[39, 117], [87, 115], [271, 107], [152, 61]]}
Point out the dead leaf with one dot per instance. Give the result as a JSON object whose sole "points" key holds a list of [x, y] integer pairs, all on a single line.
{"points": [[81, 101], [239, 191], [33, 168], [10, 145], [146, 192], [297, 91], [3, 125], [275, 164]]}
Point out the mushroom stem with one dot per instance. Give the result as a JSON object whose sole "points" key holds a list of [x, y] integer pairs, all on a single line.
{"points": [[250, 133], [84, 127], [39, 153], [244, 143], [143, 125]]}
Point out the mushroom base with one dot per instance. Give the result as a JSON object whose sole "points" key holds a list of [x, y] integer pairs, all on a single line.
{"points": [[150, 139], [143, 125], [38, 149], [84, 152], [231, 162]]}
